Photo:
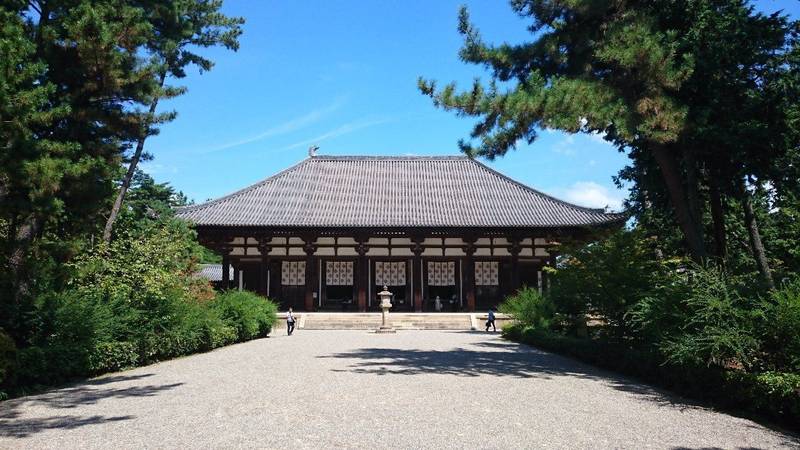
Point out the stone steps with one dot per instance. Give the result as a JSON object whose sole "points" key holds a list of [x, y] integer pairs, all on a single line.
{"points": [[371, 321]]}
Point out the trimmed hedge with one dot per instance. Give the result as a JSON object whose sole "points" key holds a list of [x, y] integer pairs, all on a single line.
{"points": [[772, 395], [249, 315], [105, 343]]}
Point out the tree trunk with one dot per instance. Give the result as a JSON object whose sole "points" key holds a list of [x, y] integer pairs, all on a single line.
{"points": [[23, 237], [692, 230], [756, 246], [718, 219], [692, 186], [126, 182]]}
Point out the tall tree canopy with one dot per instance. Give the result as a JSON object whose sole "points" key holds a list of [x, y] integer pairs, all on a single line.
{"points": [[78, 83], [682, 86], [182, 27]]}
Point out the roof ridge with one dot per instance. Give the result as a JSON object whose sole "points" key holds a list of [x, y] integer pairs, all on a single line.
{"points": [[389, 157]]}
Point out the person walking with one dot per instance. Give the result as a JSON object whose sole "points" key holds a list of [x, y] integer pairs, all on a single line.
{"points": [[490, 321], [290, 322]]}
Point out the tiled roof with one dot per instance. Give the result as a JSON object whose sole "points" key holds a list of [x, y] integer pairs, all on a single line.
{"points": [[213, 272], [374, 191]]}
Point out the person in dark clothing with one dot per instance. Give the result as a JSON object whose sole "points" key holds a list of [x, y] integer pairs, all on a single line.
{"points": [[490, 321], [290, 322]]}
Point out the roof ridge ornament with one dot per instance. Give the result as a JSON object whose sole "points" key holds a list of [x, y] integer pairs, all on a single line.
{"points": [[312, 151]]}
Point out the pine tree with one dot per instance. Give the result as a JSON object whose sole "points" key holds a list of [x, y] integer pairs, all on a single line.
{"points": [[632, 71], [77, 82], [180, 28]]}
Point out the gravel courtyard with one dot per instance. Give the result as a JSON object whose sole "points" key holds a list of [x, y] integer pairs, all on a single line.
{"points": [[414, 389]]}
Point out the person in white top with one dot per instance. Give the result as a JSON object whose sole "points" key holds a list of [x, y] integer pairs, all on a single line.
{"points": [[289, 321]]}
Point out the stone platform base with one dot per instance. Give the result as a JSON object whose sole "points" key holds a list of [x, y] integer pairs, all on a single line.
{"points": [[400, 321]]}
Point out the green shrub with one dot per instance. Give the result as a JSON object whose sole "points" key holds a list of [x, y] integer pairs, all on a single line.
{"points": [[112, 356], [8, 355], [215, 331], [250, 315], [781, 327], [773, 392], [530, 308], [770, 394], [130, 303], [606, 278], [708, 324], [31, 366]]}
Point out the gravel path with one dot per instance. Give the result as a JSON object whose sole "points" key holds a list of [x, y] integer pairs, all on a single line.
{"points": [[414, 389]]}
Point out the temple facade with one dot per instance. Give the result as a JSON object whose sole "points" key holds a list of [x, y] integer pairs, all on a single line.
{"points": [[441, 233]]}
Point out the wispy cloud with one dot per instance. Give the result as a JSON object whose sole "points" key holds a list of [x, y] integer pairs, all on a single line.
{"points": [[565, 146], [342, 130], [285, 127], [155, 168], [593, 195]]}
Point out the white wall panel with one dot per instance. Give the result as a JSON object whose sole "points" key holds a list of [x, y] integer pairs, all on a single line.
{"points": [[378, 251], [347, 251]]}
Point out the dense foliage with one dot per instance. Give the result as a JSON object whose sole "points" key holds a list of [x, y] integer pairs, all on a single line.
{"points": [[529, 308], [774, 395], [131, 303], [701, 95], [703, 98], [79, 85], [698, 329]]}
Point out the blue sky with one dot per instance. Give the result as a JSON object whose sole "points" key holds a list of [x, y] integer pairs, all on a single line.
{"points": [[342, 75]]}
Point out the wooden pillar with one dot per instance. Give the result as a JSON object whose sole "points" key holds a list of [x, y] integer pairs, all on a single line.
{"points": [[263, 248], [514, 249], [417, 273], [363, 275], [545, 277], [226, 267], [469, 274], [311, 280], [236, 277]]}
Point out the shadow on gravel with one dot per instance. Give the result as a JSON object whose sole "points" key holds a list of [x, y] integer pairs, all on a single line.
{"points": [[503, 359], [85, 393], [490, 358]]}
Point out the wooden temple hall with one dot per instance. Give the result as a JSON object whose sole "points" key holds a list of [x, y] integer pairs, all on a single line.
{"points": [[442, 233]]}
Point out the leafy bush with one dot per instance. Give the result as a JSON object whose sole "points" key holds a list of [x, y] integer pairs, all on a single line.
{"points": [[781, 327], [772, 394], [250, 315], [131, 303], [708, 324], [775, 393], [606, 278], [529, 308], [112, 356], [8, 353]]}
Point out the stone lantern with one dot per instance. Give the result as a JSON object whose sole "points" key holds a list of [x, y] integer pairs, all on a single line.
{"points": [[386, 303]]}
